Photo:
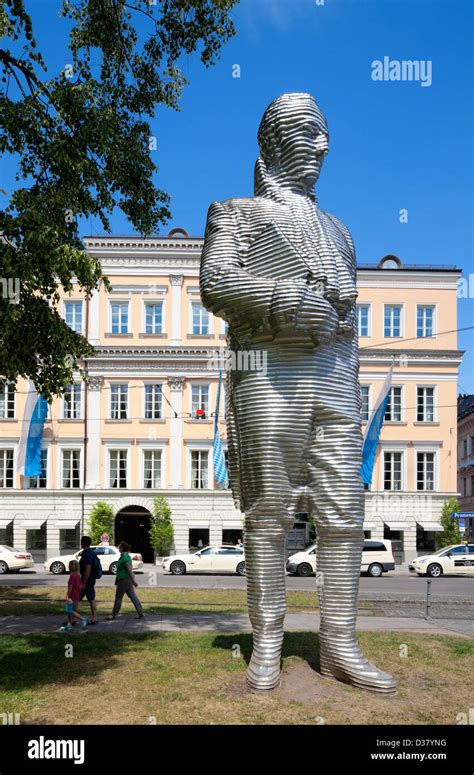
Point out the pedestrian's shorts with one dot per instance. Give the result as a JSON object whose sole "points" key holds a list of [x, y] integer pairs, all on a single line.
{"points": [[89, 591]]}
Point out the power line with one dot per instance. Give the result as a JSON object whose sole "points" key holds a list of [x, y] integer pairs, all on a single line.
{"points": [[416, 338]]}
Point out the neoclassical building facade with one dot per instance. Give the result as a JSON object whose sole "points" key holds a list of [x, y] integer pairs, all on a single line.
{"points": [[139, 420]]}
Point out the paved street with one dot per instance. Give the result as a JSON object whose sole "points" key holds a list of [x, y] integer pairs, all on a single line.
{"points": [[397, 585]]}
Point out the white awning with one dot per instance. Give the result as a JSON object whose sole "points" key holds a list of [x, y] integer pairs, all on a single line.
{"points": [[4, 522], [399, 525], [30, 524], [433, 526], [65, 524], [198, 525], [232, 525]]}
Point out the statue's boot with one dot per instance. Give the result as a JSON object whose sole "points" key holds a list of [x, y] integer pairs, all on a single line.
{"points": [[266, 596], [339, 560]]}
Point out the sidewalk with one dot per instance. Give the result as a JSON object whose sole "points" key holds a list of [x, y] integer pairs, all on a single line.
{"points": [[218, 622]]}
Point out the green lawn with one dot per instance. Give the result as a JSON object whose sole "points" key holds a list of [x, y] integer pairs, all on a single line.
{"points": [[195, 678], [50, 600]]}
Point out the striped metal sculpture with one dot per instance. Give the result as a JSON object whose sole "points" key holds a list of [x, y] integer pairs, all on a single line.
{"points": [[282, 273]]}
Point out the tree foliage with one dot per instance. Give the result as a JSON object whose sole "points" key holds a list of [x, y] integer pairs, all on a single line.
{"points": [[101, 521], [451, 533], [161, 528], [81, 142]]}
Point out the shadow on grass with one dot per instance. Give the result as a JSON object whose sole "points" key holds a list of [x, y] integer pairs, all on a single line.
{"points": [[304, 645], [29, 661]]}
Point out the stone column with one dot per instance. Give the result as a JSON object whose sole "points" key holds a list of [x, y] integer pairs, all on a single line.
{"points": [[176, 292], [175, 474], [93, 433]]}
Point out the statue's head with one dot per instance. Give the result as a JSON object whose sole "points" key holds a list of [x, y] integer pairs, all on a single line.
{"points": [[293, 140]]}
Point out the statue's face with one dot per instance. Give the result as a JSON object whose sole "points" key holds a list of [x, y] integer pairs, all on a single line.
{"points": [[304, 142]]}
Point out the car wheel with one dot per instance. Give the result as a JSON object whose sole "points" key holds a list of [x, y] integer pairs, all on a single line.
{"points": [[178, 568], [3, 568], [375, 570], [58, 568], [240, 569], [304, 569], [434, 570], [113, 568]]}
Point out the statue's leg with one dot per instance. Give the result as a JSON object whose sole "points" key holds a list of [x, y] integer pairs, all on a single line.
{"points": [[338, 503], [266, 595]]}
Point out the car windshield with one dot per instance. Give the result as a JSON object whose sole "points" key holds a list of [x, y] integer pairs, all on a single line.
{"points": [[444, 549], [9, 548]]}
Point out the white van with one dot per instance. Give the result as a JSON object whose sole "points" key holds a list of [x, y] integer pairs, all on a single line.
{"points": [[377, 558]]}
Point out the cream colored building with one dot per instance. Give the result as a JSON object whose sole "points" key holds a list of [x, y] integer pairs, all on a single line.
{"points": [[131, 430]]}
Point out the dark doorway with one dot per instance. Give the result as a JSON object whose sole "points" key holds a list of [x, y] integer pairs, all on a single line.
{"points": [[132, 525]]}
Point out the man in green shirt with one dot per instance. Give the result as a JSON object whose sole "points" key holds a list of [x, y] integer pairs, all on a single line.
{"points": [[125, 582]]}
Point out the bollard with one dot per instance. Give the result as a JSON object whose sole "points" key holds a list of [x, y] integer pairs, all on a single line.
{"points": [[428, 598]]}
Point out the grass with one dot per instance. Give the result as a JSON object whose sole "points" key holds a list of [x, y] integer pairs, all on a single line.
{"points": [[16, 601], [178, 678]]}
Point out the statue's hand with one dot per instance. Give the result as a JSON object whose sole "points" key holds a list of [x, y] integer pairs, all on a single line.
{"points": [[316, 316]]}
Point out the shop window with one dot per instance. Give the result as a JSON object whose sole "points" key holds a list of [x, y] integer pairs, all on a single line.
{"points": [[198, 538], [69, 539], [232, 536]]}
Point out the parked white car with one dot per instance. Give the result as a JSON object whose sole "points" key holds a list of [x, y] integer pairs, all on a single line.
{"points": [[211, 559], [457, 559], [14, 560], [377, 558], [108, 556]]}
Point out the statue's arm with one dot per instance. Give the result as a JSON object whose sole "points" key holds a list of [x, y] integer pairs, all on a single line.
{"points": [[229, 291]]}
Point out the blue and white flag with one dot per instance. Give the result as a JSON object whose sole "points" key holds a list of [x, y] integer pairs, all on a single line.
{"points": [[29, 453], [220, 468], [373, 428]]}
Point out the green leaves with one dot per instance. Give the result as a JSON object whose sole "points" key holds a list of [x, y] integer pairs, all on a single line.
{"points": [[81, 141]]}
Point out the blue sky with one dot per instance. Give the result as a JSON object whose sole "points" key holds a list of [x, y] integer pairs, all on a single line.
{"points": [[393, 145]]}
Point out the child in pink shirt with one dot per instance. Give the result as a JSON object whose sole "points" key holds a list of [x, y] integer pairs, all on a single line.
{"points": [[73, 597]]}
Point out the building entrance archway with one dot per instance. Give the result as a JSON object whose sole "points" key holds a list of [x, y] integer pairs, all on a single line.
{"points": [[132, 524]]}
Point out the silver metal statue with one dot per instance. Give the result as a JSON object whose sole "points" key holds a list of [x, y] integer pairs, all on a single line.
{"points": [[282, 272]]}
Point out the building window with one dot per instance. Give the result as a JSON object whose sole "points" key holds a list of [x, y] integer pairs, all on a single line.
{"points": [[36, 538], [7, 402], [472, 485], [72, 402], [119, 402], [464, 448], [364, 395], [152, 469], [199, 469], [464, 486], [200, 401], [425, 404], [425, 470], [393, 412], [153, 402], [71, 459], [119, 317], [392, 471], [363, 319], [73, 315], [69, 538], [392, 320], [200, 319], [6, 468], [41, 481], [424, 321], [154, 318], [118, 468]]}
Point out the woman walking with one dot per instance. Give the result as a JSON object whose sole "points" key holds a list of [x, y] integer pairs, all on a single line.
{"points": [[125, 583]]}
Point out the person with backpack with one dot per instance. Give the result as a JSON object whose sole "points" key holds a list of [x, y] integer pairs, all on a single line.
{"points": [[125, 583], [91, 570]]}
